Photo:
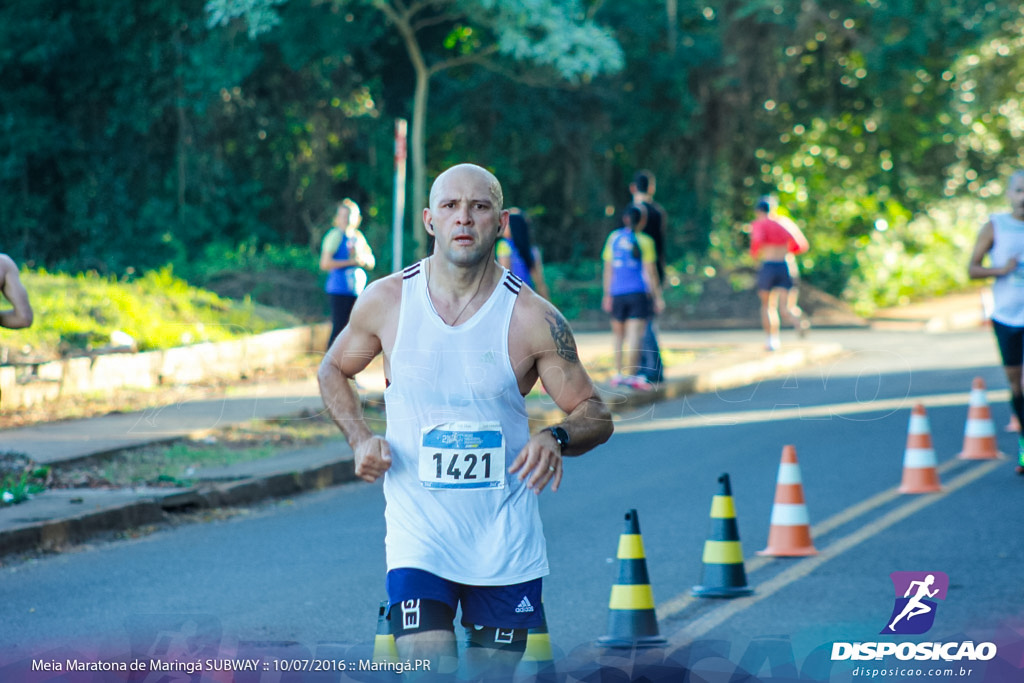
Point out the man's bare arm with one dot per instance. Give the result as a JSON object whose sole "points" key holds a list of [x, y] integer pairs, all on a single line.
{"points": [[355, 347], [20, 315], [982, 245], [588, 421], [336, 371]]}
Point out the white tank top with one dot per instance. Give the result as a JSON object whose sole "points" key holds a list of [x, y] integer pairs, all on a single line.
{"points": [[1008, 290], [452, 508]]}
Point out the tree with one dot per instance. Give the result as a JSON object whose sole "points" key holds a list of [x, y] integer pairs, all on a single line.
{"points": [[441, 35], [852, 112]]}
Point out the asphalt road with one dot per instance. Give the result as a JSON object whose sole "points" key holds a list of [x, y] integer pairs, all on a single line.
{"points": [[304, 577]]}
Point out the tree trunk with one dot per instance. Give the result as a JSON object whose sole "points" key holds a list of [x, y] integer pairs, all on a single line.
{"points": [[401, 18], [181, 142], [671, 20]]}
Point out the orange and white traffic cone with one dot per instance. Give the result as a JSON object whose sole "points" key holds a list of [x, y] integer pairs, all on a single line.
{"points": [[980, 431], [919, 465], [790, 531]]}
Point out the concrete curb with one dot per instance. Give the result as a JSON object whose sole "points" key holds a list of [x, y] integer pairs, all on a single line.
{"points": [[45, 524], [32, 384], [120, 510], [53, 534]]}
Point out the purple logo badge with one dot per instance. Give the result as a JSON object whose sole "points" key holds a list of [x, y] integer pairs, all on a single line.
{"points": [[916, 592]]}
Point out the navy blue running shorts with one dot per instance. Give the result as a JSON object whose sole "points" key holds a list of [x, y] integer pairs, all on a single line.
{"points": [[774, 275], [515, 606], [632, 306], [1011, 343]]}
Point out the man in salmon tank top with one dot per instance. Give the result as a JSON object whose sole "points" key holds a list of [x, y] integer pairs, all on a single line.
{"points": [[463, 342]]}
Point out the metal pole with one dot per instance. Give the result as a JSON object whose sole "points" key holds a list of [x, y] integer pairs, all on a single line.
{"points": [[399, 203]]}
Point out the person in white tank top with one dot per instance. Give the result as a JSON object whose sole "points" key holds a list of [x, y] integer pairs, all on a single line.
{"points": [[463, 341], [1002, 240]]}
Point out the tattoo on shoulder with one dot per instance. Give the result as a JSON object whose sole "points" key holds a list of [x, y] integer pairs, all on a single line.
{"points": [[565, 343]]}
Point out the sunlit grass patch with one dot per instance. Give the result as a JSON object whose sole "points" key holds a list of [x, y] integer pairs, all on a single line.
{"points": [[76, 313]]}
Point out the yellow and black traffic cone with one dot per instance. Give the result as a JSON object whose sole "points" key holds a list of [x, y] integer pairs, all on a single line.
{"points": [[538, 658], [384, 648], [631, 618], [723, 574]]}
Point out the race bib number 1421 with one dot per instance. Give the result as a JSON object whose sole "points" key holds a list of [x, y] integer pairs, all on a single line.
{"points": [[462, 455]]}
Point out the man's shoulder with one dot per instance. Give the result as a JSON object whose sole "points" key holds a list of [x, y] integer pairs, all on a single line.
{"points": [[1004, 217], [654, 206], [377, 308], [533, 313], [7, 265], [786, 222], [387, 289]]}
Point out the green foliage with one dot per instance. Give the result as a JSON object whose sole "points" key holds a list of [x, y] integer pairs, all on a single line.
{"points": [[920, 258], [575, 287], [260, 15], [248, 256], [549, 34], [138, 133], [17, 487], [158, 310]]}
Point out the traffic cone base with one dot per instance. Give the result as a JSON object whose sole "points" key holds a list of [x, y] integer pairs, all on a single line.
{"points": [[632, 621], [789, 541], [789, 534], [728, 576], [920, 481]]}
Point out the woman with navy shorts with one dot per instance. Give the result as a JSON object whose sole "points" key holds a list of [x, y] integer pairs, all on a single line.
{"points": [[632, 294]]}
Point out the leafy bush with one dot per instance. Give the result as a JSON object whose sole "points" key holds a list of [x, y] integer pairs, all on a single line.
{"points": [[924, 257], [248, 256]]}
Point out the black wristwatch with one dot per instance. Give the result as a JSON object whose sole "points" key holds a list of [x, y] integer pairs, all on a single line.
{"points": [[561, 436]]}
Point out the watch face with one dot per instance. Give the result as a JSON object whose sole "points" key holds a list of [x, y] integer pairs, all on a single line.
{"points": [[561, 436]]}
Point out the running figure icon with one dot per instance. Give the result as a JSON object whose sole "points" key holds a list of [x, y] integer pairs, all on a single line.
{"points": [[914, 606]]}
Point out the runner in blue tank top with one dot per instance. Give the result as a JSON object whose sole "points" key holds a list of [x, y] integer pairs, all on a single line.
{"points": [[632, 294]]}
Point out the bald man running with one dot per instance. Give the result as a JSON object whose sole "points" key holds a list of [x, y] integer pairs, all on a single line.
{"points": [[463, 342]]}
